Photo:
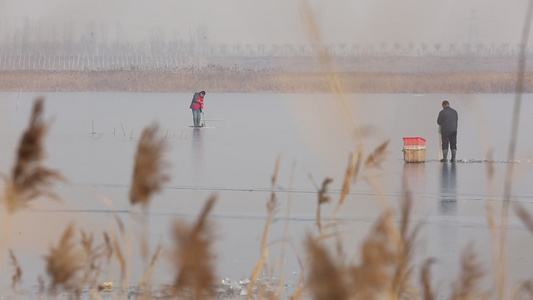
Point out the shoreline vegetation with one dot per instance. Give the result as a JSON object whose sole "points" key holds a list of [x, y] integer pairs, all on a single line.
{"points": [[285, 75]]}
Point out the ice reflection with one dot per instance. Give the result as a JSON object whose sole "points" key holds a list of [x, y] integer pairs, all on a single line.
{"points": [[413, 177], [197, 152], [448, 189]]}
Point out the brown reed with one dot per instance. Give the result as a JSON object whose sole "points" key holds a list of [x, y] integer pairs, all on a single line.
{"points": [[375, 159], [29, 178], [108, 246], [525, 291], [466, 286], [120, 257], [525, 217], [425, 280], [151, 268], [64, 262], [17, 277], [326, 279], [94, 256], [148, 175], [323, 198], [193, 258], [263, 250]]}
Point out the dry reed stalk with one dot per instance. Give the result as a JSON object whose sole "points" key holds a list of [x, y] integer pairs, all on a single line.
{"points": [[337, 88], [64, 262], [425, 279], [120, 258], [403, 270], [17, 277], [299, 289], [271, 207], [466, 286], [29, 180], [151, 268], [332, 77], [192, 257], [148, 178], [350, 176], [502, 260], [113, 244], [372, 278], [495, 240], [377, 157], [108, 246], [41, 283], [148, 175], [255, 273], [94, 257], [525, 291], [285, 232], [323, 197], [326, 278], [385, 269], [525, 217], [271, 210]]}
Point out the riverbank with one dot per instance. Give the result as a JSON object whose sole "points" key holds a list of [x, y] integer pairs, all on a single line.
{"points": [[463, 75], [258, 81]]}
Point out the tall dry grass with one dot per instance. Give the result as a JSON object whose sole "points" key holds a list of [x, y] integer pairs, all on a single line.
{"points": [[193, 257], [149, 168], [220, 79], [29, 178], [385, 269]]}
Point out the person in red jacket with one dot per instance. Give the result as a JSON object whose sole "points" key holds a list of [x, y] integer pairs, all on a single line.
{"points": [[197, 105]]}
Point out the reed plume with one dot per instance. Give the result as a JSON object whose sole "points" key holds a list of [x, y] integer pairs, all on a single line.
{"points": [[525, 217], [323, 197], [525, 291], [64, 262], [193, 258], [326, 278], [29, 179], [94, 256], [350, 177], [466, 286], [17, 277], [148, 175], [377, 157], [372, 278], [385, 269]]}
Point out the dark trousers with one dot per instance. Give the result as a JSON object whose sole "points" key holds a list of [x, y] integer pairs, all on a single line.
{"points": [[449, 138]]}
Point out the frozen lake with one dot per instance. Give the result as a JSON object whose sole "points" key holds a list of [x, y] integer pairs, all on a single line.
{"points": [[94, 136]]}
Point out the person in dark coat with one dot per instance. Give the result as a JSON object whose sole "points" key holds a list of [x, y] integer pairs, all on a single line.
{"points": [[197, 104], [447, 120]]}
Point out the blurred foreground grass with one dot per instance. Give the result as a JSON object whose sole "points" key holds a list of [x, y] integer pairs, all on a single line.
{"points": [[385, 270]]}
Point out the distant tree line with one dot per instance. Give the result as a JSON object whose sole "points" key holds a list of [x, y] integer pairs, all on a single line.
{"points": [[97, 49]]}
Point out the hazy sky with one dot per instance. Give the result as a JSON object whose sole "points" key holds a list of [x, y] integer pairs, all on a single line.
{"points": [[280, 21]]}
